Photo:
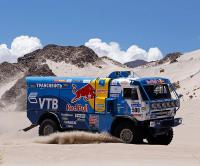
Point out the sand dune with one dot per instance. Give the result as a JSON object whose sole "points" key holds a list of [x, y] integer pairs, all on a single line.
{"points": [[20, 148]]}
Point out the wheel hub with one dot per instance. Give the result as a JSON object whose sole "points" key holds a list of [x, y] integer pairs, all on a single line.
{"points": [[126, 135], [48, 130]]}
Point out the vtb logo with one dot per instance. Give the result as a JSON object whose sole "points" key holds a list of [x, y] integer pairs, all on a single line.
{"points": [[50, 103]]}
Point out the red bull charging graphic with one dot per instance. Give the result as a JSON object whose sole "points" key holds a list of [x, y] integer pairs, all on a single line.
{"points": [[86, 93]]}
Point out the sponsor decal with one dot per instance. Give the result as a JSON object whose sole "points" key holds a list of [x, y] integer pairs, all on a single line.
{"points": [[102, 91], [59, 80], [50, 103], [32, 98], [65, 118], [137, 114], [69, 126], [94, 120], [114, 95], [114, 82], [77, 107], [124, 83], [115, 89], [135, 110], [85, 93], [100, 105], [81, 116], [67, 115], [65, 85], [69, 80], [159, 81], [86, 81], [47, 85], [70, 122], [135, 105]]}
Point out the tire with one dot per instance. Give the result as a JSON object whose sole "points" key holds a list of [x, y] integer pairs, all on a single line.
{"points": [[126, 132], [47, 127], [164, 139]]}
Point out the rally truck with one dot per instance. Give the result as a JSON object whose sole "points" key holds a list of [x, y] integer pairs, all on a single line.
{"points": [[122, 104]]}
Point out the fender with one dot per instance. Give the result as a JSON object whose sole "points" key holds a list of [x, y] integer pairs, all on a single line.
{"points": [[119, 118], [50, 114]]}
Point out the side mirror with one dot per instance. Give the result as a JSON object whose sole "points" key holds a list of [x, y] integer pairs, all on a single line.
{"points": [[180, 96]]}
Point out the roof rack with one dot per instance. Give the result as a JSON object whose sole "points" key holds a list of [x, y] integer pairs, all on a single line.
{"points": [[119, 74]]}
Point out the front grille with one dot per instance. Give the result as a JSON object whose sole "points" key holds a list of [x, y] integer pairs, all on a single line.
{"points": [[159, 114]]}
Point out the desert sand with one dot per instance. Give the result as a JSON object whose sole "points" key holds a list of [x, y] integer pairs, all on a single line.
{"points": [[20, 148]]}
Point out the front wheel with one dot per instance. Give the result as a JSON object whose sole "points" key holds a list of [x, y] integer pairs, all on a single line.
{"points": [[128, 134], [47, 127], [164, 139]]}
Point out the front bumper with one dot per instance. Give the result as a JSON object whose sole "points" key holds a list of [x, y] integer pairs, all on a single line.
{"points": [[165, 123]]}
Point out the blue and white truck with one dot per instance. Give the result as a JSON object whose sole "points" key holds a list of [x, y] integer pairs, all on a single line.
{"points": [[128, 107]]}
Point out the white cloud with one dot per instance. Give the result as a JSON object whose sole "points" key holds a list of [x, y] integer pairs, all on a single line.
{"points": [[113, 50], [20, 45]]}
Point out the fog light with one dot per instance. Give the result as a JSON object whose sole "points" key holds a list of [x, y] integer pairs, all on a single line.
{"points": [[164, 105], [168, 104], [158, 105], [153, 106], [152, 124], [173, 104]]}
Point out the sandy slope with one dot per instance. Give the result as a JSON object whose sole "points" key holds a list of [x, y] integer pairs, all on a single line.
{"points": [[19, 148], [186, 71], [101, 70]]}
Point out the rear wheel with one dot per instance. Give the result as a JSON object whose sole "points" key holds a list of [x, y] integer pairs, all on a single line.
{"points": [[128, 134], [164, 139], [47, 127]]}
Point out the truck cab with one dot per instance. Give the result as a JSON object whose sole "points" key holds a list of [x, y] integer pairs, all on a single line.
{"points": [[122, 104]]}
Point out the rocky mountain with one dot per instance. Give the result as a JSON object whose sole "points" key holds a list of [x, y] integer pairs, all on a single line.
{"points": [[52, 60], [79, 56], [136, 63], [171, 57]]}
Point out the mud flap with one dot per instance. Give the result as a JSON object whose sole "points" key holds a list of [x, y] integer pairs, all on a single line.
{"points": [[29, 128]]}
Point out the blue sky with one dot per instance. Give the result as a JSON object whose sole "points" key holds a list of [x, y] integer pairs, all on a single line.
{"points": [[172, 25]]}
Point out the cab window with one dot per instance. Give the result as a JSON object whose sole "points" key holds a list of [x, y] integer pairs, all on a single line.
{"points": [[130, 93]]}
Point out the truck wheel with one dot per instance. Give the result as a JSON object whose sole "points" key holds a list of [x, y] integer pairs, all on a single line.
{"points": [[127, 134], [48, 127], [164, 139]]}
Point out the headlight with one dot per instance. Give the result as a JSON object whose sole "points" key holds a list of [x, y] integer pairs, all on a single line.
{"points": [[153, 106], [173, 103], [158, 105], [168, 104], [164, 105]]}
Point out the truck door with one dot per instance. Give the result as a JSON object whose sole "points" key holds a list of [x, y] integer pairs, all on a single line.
{"points": [[132, 99]]}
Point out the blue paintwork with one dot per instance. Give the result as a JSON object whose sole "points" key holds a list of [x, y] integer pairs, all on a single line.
{"points": [[119, 74], [55, 94]]}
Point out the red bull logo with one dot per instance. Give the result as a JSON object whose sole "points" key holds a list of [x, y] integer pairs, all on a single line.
{"points": [[77, 107], [86, 93]]}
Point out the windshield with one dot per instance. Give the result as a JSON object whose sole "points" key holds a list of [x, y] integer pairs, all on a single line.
{"points": [[156, 92]]}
